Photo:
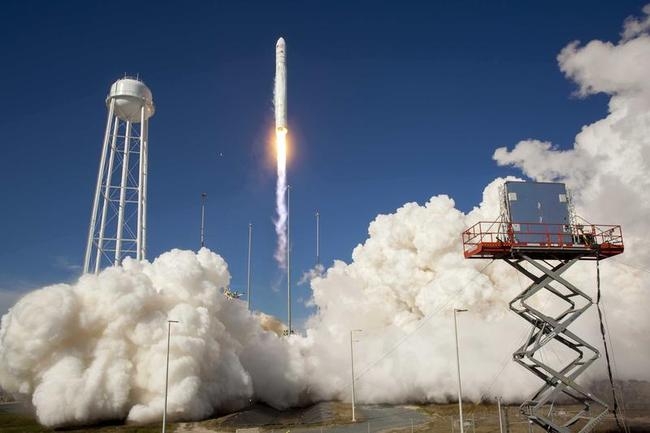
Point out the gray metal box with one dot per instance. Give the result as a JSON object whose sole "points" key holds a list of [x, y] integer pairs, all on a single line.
{"points": [[538, 211]]}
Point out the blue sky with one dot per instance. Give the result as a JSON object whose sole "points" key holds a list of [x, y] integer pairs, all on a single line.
{"points": [[388, 102]]}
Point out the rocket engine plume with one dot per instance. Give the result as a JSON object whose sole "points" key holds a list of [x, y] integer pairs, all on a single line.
{"points": [[281, 198], [280, 104]]}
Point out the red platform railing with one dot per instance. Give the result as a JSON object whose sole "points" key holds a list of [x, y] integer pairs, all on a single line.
{"points": [[497, 239]]}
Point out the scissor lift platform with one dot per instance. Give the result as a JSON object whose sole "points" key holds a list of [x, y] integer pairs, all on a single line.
{"points": [[498, 240], [543, 252]]}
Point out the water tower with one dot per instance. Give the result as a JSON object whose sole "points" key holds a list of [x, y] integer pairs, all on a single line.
{"points": [[118, 223], [539, 235]]}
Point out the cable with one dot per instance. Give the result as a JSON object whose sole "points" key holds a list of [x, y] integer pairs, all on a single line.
{"points": [[506, 361], [420, 325], [602, 332], [615, 368], [637, 267]]}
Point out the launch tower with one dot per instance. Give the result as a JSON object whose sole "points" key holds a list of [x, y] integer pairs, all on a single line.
{"points": [[539, 237], [118, 222]]}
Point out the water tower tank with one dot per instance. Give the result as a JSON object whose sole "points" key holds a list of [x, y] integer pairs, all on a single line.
{"points": [[130, 96], [118, 222]]}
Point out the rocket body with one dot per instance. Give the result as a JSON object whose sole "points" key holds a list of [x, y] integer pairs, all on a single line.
{"points": [[280, 90]]}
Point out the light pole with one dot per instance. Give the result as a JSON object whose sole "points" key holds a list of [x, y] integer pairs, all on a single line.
{"points": [[317, 238], [169, 331], [248, 273], [352, 368], [203, 197], [500, 420], [460, 387]]}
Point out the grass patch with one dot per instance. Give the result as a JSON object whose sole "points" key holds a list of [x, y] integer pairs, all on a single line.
{"points": [[20, 423]]}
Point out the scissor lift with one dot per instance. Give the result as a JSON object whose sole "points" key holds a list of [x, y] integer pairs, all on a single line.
{"points": [[543, 253]]}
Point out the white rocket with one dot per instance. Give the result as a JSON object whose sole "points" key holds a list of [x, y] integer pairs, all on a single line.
{"points": [[280, 90]]}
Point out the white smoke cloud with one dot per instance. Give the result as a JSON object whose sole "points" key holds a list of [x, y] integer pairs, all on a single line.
{"points": [[634, 26], [96, 349], [400, 289], [8, 298], [403, 283], [282, 213]]}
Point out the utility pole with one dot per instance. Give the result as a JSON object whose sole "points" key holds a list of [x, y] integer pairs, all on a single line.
{"points": [[248, 274], [169, 331], [203, 197], [352, 331], [460, 388], [317, 238], [500, 418]]}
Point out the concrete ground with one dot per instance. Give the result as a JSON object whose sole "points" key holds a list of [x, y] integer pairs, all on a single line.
{"points": [[327, 417], [335, 417]]}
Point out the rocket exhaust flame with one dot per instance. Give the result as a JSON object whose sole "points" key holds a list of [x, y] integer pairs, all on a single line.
{"points": [[280, 104]]}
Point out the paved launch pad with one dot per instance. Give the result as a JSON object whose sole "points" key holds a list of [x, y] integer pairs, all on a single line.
{"points": [[326, 417]]}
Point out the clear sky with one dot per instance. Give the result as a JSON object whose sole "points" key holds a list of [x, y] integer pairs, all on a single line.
{"points": [[388, 102]]}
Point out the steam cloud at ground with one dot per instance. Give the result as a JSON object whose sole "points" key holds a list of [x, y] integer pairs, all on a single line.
{"points": [[95, 349]]}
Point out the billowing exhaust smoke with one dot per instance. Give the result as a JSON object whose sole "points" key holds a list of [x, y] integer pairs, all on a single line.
{"points": [[95, 350]]}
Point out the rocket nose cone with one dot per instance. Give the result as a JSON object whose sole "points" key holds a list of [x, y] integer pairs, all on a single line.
{"points": [[280, 43]]}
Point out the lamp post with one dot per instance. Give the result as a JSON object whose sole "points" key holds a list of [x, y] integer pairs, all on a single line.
{"points": [[203, 197], [500, 418], [169, 330], [352, 368], [248, 273], [460, 387], [317, 238]]}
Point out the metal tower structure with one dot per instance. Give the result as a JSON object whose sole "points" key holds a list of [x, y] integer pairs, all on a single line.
{"points": [[118, 222], [539, 238]]}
